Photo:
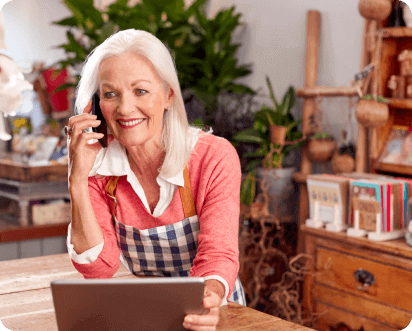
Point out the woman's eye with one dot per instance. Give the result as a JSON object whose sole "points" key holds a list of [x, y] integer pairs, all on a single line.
{"points": [[107, 95], [141, 92]]}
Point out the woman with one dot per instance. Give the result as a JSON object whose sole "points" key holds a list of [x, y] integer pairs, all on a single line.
{"points": [[124, 197]]}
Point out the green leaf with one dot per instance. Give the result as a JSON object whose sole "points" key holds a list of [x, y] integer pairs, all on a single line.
{"points": [[248, 136], [69, 21], [248, 189], [252, 165], [64, 86], [288, 100], [272, 94]]}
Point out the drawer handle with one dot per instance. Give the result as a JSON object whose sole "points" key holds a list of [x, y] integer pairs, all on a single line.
{"points": [[365, 278]]}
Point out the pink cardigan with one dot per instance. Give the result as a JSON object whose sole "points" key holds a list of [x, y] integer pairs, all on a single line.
{"points": [[215, 175]]}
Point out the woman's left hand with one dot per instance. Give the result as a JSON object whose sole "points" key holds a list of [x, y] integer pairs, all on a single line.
{"points": [[208, 322]]}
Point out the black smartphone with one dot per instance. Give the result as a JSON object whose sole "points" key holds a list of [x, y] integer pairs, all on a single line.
{"points": [[102, 128]]}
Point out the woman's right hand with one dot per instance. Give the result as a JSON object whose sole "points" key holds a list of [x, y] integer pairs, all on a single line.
{"points": [[81, 154]]}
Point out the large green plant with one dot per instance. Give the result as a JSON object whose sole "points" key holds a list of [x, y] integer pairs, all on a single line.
{"points": [[279, 114], [203, 48]]}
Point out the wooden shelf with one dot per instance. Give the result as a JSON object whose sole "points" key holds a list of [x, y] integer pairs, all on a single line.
{"points": [[401, 103], [327, 91], [18, 233], [396, 32]]}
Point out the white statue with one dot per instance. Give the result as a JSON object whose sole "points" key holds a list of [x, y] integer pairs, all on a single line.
{"points": [[12, 83]]}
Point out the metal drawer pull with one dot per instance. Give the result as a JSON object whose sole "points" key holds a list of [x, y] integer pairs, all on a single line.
{"points": [[365, 278]]}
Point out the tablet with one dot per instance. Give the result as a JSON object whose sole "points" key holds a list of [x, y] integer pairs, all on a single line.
{"points": [[141, 304]]}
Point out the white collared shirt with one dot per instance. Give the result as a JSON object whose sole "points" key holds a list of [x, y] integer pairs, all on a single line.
{"points": [[113, 161]]}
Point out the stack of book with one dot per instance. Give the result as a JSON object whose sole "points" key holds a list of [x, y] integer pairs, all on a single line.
{"points": [[360, 204]]}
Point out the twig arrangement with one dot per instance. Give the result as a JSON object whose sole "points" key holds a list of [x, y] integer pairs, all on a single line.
{"points": [[270, 273]]}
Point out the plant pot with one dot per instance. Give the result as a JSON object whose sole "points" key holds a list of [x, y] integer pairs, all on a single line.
{"points": [[277, 134], [375, 9], [281, 191], [342, 163], [371, 113], [321, 150]]}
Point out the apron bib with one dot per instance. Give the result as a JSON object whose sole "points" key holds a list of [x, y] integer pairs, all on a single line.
{"points": [[167, 250]]}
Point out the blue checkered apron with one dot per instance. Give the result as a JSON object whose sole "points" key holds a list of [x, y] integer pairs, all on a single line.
{"points": [[167, 250]]}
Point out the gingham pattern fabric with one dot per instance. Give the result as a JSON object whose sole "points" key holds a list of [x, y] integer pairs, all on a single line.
{"points": [[238, 295], [167, 250]]}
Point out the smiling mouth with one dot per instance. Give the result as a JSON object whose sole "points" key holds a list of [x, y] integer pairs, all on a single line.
{"points": [[131, 123]]}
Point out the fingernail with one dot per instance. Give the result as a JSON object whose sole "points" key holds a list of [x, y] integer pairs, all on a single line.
{"points": [[188, 319], [186, 325]]}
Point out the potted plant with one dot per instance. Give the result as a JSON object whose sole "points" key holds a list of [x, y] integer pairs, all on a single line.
{"points": [[321, 147], [267, 162], [343, 160], [372, 111], [203, 47]]}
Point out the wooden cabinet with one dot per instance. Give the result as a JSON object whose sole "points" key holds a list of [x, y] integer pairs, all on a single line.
{"points": [[358, 282], [395, 40]]}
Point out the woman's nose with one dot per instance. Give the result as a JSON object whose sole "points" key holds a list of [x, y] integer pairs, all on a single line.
{"points": [[127, 104]]}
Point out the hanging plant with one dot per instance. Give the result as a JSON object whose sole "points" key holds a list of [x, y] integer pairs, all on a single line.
{"points": [[321, 147], [343, 160], [375, 9], [372, 111]]}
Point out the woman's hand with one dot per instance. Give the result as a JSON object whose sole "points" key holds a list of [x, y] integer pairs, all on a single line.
{"points": [[208, 322], [81, 154]]}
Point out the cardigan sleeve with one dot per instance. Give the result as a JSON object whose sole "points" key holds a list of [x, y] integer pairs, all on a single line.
{"points": [[107, 262], [218, 251]]}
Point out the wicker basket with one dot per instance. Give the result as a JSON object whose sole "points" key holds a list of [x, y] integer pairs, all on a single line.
{"points": [[277, 134], [342, 163], [371, 113], [375, 9], [321, 150]]}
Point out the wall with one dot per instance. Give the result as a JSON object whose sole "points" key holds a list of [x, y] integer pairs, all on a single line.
{"points": [[274, 41]]}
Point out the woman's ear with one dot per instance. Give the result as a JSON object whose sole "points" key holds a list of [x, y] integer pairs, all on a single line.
{"points": [[170, 96]]}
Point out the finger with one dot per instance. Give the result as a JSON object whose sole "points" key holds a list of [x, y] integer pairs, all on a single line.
{"points": [[210, 319], [212, 300], [81, 126], [78, 118], [88, 108]]}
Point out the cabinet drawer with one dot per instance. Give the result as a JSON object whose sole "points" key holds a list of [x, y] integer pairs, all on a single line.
{"points": [[392, 284], [331, 316], [371, 310]]}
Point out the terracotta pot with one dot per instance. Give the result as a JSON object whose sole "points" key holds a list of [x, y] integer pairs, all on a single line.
{"points": [[321, 150], [371, 113], [375, 9], [277, 134], [343, 163]]}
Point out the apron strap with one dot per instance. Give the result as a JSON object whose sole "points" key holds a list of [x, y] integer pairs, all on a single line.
{"points": [[111, 188], [187, 196], [185, 193]]}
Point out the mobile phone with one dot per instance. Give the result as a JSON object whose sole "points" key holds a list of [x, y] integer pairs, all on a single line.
{"points": [[102, 128]]}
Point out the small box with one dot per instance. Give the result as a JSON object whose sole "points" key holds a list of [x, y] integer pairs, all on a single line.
{"points": [[51, 213], [397, 86], [405, 62]]}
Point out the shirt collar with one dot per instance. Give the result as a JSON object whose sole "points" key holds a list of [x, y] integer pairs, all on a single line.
{"points": [[112, 161]]}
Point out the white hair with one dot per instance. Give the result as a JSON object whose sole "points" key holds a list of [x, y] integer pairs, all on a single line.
{"points": [[176, 133]]}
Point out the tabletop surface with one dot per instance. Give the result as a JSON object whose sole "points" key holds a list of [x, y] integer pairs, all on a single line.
{"points": [[26, 299]]}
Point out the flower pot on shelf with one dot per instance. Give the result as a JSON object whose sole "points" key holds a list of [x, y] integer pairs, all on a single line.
{"points": [[321, 150], [371, 113], [375, 9], [342, 163], [277, 134]]}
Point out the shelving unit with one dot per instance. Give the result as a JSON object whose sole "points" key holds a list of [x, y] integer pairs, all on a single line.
{"points": [[394, 41]]}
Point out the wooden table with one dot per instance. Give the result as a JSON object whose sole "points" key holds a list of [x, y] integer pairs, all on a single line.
{"points": [[26, 299]]}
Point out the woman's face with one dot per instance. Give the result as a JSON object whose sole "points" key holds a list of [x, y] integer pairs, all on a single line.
{"points": [[133, 98]]}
